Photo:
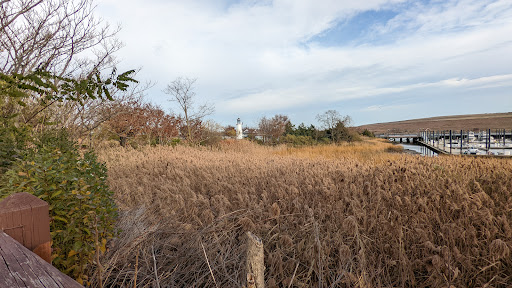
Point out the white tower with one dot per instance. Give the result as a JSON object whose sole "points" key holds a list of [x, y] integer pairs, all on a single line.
{"points": [[239, 134]]}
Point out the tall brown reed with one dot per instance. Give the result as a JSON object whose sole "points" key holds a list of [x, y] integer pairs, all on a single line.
{"points": [[395, 221]]}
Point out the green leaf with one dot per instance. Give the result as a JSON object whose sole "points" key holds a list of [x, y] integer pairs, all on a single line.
{"points": [[77, 245], [60, 219], [56, 194], [107, 94]]}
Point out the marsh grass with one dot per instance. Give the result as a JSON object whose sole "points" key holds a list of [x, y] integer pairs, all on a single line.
{"points": [[374, 150], [348, 216]]}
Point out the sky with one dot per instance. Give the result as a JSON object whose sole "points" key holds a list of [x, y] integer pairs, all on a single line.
{"points": [[374, 60]]}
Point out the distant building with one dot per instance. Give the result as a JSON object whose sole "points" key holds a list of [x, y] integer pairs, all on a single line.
{"points": [[239, 132]]}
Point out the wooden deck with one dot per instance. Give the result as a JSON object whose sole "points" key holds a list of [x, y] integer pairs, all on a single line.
{"points": [[20, 267]]}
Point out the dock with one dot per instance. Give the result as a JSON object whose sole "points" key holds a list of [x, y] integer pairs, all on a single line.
{"points": [[434, 148], [494, 143]]}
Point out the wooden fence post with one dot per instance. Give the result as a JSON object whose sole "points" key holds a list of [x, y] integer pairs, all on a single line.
{"points": [[255, 264], [25, 218]]}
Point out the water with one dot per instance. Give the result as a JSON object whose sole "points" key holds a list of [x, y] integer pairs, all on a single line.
{"points": [[422, 150]]}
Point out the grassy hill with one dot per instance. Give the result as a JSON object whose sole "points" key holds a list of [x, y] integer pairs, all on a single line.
{"points": [[473, 122]]}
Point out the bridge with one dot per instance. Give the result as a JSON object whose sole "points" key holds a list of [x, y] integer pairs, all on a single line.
{"points": [[402, 137]]}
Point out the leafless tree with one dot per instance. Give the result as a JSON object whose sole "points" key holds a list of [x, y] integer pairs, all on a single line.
{"points": [[211, 133], [11, 10], [64, 38], [182, 92], [272, 128], [330, 120], [88, 116], [60, 36]]}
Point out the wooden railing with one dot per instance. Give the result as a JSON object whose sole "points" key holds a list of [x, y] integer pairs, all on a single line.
{"points": [[25, 245], [25, 248]]}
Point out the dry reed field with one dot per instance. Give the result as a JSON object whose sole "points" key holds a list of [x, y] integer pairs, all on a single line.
{"points": [[378, 220], [374, 150]]}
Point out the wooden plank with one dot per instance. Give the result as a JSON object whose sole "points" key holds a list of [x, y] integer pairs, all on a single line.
{"points": [[17, 201], [41, 223], [22, 268], [20, 201], [38, 212], [3, 220], [14, 270], [29, 278], [49, 272], [25, 218], [41, 232], [27, 223], [11, 206], [5, 277], [31, 266], [8, 223]]}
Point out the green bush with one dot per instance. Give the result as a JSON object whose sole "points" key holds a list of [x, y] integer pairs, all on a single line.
{"points": [[297, 140], [324, 140], [368, 133], [12, 143], [13, 135], [82, 209], [175, 142], [345, 134]]}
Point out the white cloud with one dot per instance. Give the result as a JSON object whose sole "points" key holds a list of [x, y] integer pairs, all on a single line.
{"points": [[379, 108], [246, 47], [479, 83]]}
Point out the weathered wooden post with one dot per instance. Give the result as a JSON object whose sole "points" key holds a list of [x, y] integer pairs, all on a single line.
{"points": [[444, 140], [450, 142], [461, 138], [489, 137], [25, 218], [255, 264]]}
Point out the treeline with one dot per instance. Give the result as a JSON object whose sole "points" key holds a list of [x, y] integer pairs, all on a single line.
{"points": [[311, 135], [137, 123], [130, 120], [333, 128]]}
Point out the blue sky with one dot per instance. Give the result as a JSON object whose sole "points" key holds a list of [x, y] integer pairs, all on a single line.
{"points": [[374, 60]]}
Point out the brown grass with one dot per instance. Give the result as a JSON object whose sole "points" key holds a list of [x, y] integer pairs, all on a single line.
{"points": [[333, 221], [374, 150]]}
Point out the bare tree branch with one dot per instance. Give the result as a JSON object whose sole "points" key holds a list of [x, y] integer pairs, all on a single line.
{"points": [[64, 38], [182, 92], [330, 119], [60, 36], [272, 128]]}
